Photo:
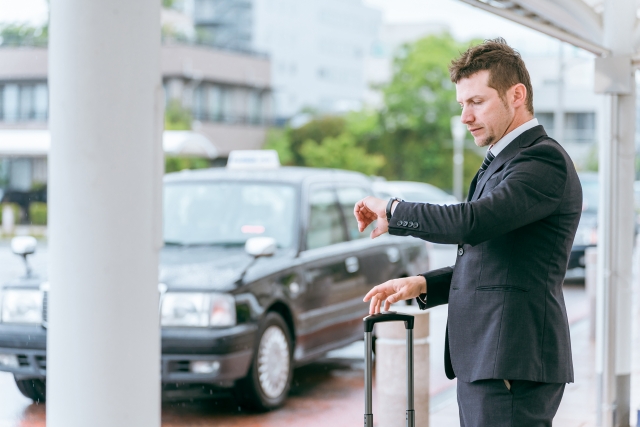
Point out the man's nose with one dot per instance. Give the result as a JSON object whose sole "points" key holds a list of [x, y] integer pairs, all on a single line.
{"points": [[466, 117]]}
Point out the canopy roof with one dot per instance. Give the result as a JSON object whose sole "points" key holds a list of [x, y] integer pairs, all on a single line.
{"points": [[578, 22], [36, 143]]}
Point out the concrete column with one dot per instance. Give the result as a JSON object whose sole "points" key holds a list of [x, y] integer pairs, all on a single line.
{"points": [[614, 77], [590, 283], [103, 349], [391, 370]]}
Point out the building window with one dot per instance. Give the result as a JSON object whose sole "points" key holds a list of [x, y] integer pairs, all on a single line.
{"points": [[580, 127], [214, 100], [546, 120], [23, 102]]}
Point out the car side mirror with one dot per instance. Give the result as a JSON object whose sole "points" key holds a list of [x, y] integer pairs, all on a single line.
{"points": [[23, 246], [260, 246]]}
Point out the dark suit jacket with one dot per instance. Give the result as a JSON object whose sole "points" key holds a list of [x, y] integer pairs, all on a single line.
{"points": [[507, 317]]}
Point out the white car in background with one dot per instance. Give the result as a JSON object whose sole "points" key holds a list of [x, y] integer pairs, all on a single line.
{"points": [[439, 255], [413, 192]]}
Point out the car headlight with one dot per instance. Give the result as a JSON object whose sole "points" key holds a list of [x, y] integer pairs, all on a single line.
{"points": [[22, 306], [197, 309]]}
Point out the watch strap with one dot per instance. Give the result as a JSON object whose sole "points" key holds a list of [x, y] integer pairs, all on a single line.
{"points": [[390, 205]]}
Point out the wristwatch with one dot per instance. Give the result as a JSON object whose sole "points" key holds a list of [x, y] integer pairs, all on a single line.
{"points": [[390, 204]]}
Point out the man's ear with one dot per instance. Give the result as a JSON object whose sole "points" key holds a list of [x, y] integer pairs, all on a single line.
{"points": [[518, 95]]}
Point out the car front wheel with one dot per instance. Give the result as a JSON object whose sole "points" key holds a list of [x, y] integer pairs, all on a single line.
{"points": [[267, 384], [34, 389]]}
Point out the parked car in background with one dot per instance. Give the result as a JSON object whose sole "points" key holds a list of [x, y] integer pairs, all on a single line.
{"points": [[263, 269], [587, 233], [413, 192]]}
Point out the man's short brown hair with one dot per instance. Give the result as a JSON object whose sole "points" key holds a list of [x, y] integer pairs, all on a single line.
{"points": [[505, 65]]}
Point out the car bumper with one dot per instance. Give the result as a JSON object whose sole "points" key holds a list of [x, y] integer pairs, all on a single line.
{"points": [[230, 350]]}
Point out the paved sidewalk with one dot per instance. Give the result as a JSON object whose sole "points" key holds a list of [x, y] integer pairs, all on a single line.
{"points": [[578, 408]]}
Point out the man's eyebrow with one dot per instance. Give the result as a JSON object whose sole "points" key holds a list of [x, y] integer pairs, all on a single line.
{"points": [[472, 97]]}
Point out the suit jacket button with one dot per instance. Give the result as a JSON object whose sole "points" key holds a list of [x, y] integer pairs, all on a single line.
{"points": [[400, 223], [415, 225], [460, 251], [404, 223], [410, 224]]}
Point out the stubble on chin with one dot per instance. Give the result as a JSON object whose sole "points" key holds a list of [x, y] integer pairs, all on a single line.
{"points": [[485, 142]]}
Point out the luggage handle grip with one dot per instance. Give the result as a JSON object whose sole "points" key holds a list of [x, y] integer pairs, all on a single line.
{"points": [[388, 316]]}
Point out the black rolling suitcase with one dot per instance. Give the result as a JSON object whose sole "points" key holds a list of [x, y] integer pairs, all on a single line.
{"points": [[369, 321]]}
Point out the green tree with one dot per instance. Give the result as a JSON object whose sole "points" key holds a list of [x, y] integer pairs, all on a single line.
{"points": [[24, 35], [176, 117], [176, 164], [316, 130], [351, 156], [419, 101], [278, 139]]}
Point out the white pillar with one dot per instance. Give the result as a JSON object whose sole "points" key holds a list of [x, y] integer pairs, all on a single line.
{"points": [[103, 345], [614, 76]]}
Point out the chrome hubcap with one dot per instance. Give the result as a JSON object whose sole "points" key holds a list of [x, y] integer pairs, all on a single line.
{"points": [[273, 362]]}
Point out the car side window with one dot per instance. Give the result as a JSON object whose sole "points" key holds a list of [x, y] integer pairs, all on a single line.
{"points": [[325, 221], [348, 197]]}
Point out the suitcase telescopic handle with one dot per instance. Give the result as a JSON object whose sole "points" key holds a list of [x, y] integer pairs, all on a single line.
{"points": [[389, 316], [369, 322]]}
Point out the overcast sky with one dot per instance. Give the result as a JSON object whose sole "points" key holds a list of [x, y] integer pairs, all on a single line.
{"points": [[464, 21]]}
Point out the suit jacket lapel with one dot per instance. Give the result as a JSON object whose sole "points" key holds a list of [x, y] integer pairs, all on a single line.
{"points": [[472, 187], [526, 139]]}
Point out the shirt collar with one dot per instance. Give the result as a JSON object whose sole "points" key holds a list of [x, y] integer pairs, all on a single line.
{"points": [[506, 140]]}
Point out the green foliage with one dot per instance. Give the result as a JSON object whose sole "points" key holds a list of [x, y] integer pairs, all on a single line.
{"points": [[409, 138], [38, 213], [176, 164], [352, 156], [419, 103], [176, 117], [316, 130], [591, 162], [24, 35], [278, 140]]}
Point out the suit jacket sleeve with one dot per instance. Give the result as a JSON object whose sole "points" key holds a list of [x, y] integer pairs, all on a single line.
{"points": [[531, 189], [438, 284]]}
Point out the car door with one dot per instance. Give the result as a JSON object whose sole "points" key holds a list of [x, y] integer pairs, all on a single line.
{"points": [[378, 259], [330, 272]]}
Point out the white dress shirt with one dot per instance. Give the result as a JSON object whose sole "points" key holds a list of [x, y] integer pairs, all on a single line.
{"points": [[506, 140]]}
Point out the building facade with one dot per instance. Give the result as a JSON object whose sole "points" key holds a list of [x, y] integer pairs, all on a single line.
{"points": [[227, 93], [565, 102], [317, 48]]}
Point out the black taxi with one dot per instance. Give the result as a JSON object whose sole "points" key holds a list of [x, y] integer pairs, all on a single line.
{"points": [[263, 270]]}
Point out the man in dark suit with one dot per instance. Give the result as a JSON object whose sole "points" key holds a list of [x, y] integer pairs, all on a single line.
{"points": [[507, 334]]}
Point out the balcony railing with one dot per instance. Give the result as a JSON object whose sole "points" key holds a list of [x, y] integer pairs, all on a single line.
{"points": [[235, 119]]}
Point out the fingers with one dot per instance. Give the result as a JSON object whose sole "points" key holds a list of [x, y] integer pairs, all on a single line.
{"points": [[391, 292], [363, 215]]}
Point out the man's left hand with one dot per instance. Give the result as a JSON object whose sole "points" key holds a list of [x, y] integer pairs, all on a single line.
{"points": [[372, 209]]}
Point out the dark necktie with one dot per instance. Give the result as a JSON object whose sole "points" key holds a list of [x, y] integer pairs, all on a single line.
{"points": [[485, 164]]}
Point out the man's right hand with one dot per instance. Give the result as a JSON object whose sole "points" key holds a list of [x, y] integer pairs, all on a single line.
{"points": [[395, 290]]}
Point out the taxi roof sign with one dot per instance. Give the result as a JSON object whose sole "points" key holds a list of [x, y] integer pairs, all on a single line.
{"points": [[253, 159]]}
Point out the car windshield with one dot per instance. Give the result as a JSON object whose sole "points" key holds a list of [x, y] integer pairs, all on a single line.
{"points": [[228, 213], [589, 194]]}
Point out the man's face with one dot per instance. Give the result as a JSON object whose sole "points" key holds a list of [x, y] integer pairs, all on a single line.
{"points": [[483, 111]]}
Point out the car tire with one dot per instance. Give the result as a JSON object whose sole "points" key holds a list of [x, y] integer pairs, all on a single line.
{"points": [[267, 384], [33, 389]]}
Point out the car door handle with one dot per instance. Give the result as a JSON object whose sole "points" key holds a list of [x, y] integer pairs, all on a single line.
{"points": [[352, 264]]}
